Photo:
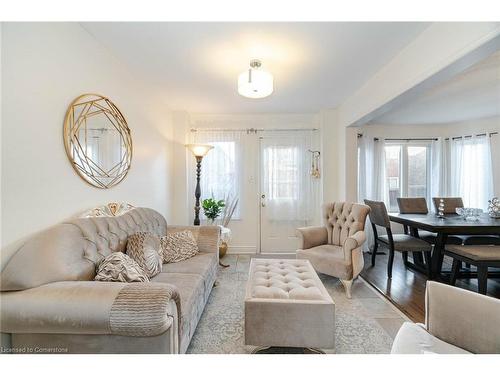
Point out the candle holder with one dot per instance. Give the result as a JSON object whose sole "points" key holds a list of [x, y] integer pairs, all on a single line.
{"points": [[494, 208], [441, 209]]}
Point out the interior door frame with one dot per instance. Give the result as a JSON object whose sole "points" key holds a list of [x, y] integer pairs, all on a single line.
{"points": [[259, 196]]}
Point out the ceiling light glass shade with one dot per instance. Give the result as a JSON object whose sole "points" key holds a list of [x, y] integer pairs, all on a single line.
{"points": [[255, 83], [199, 150]]}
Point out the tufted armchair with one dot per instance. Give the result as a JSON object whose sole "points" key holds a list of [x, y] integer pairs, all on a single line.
{"points": [[335, 248]]}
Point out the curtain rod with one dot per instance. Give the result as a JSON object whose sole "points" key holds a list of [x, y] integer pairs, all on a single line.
{"points": [[407, 139], [431, 139], [477, 135], [250, 130]]}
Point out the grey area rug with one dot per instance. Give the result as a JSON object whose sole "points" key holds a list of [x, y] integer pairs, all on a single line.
{"points": [[221, 327]]}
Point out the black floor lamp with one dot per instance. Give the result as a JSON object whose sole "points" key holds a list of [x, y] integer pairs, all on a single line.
{"points": [[199, 151]]}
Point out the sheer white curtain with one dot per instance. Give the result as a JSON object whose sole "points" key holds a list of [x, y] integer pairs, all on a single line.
{"points": [[440, 175], [471, 174], [371, 176], [286, 179], [221, 167]]}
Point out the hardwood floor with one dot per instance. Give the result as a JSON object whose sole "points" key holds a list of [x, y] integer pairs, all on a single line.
{"points": [[406, 290]]}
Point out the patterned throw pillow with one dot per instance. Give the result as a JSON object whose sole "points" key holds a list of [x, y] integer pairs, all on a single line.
{"points": [[145, 249], [178, 246], [120, 267]]}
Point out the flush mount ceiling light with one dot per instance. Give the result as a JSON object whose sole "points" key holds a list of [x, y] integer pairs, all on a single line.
{"points": [[255, 83]]}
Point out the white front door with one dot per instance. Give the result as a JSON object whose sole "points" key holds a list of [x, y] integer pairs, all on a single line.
{"points": [[284, 191]]}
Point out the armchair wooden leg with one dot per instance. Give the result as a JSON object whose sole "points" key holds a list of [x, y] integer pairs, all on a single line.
{"points": [[482, 279], [455, 268], [347, 286], [389, 263]]}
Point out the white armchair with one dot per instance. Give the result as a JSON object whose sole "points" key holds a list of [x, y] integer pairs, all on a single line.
{"points": [[335, 248]]}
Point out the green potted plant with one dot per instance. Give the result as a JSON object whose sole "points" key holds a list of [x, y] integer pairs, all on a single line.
{"points": [[212, 208]]}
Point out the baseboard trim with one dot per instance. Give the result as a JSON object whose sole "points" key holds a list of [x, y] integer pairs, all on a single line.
{"points": [[242, 250]]}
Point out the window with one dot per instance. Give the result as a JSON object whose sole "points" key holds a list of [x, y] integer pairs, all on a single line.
{"points": [[407, 172], [220, 177]]}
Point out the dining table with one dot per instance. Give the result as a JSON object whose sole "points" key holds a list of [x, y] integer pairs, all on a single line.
{"points": [[443, 227]]}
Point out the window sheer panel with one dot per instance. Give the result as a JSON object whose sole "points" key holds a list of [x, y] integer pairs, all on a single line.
{"points": [[471, 170], [221, 167]]}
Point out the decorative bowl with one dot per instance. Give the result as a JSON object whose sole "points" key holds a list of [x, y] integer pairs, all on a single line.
{"points": [[471, 214]]}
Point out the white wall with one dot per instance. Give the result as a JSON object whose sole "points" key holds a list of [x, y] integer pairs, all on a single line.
{"points": [[245, 231], [44, 67], [444, 130], [438, 53]]}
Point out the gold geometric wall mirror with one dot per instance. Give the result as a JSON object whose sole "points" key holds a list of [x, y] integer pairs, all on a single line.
{"points": [[97, 140]]}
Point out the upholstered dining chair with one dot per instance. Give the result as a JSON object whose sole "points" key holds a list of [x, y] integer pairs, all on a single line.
{"points": [[335, 248], [419, 206], [450, 206], [394, 242]]}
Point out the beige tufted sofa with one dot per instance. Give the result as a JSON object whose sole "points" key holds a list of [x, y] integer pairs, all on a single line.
{"points": [[335, 248], [50, 303]]}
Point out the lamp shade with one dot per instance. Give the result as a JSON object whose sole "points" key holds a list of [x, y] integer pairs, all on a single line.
{"points": [[255, 83], [199, 150]]}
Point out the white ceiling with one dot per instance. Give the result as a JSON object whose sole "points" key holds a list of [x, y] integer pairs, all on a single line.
{"points": [[195, 65], [471, 95]]}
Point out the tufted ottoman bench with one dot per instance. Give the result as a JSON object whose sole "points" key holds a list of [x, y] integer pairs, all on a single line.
{"points": [[286, 305]]}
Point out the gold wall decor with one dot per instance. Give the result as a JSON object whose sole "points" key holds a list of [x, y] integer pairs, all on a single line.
{"points": [[97, 140]]}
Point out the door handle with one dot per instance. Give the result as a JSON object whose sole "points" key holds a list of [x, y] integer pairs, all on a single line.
{"points": [[263, 203]]}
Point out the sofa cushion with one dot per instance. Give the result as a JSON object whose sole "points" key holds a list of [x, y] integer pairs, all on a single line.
{"points": [[414, 339], [200, 264], [145, 249], [191, 290], [178, 246], [120, 267]]}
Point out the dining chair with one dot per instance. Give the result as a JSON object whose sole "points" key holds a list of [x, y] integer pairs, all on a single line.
{"points": [[450, 206], [394, 242], [481, 256], [419, 206]]}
